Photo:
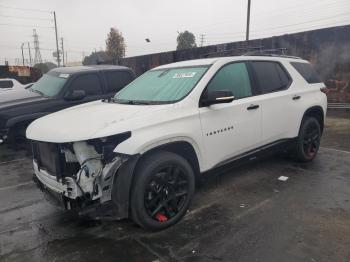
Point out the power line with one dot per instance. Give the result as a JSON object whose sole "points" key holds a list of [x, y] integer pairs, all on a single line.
{"points": [[301, 13], [284, 26], [38, 26], [270, 13], [306, 8], [28, 18], [26, 9], [309, 28], [257, 35], [307, 22], [43, 49]]}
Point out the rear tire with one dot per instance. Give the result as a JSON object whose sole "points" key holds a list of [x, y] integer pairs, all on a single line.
{"points": [[162, 190], [308, 141]]}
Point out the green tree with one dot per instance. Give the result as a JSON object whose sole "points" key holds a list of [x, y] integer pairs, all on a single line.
{"points": [[115, 45], [45, 67], [185, 40], [50, 65], [97, 58]]}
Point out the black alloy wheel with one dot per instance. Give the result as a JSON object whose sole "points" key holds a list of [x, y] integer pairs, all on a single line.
{"points": [[311, 140], [162, 190], [308, 141], [166, 193]]}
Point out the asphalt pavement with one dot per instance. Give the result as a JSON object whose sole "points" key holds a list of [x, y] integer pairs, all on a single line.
{"points": [[241, 214]]}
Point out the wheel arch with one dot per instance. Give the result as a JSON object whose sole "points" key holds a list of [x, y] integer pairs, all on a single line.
{"points": [[27, 118], [317, 112], [125, 176], [182, 148]]}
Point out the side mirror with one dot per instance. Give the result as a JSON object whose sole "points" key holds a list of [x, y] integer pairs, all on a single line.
{"points": [[75, 95], [218, 97]]}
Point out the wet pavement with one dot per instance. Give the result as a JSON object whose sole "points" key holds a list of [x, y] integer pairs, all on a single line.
{"points": [[242, 214]]}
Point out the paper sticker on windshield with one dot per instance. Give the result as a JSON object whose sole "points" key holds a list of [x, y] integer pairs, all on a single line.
{"points": [[64, 75], [184, 75]]}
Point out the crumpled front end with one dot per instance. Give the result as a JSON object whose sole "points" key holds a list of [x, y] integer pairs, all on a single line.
{"points": [[82, 174]]}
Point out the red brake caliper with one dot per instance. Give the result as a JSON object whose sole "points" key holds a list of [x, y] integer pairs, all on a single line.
{"points": [[161, 218]]}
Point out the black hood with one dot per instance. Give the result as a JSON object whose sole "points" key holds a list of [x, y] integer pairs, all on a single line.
{"points": [[16, 97]]}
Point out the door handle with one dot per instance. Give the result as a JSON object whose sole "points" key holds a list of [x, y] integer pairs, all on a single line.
{"points": [[296, 97], [251, 107]]}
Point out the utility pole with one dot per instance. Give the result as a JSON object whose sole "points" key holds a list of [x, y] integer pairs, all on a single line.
{"points": [[58, 51], [30, 55], [22, 54], [202, 39], [63, 64], [248, 22]]}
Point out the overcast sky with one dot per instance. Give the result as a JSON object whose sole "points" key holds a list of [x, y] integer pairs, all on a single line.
{"points": [[84, 24]]}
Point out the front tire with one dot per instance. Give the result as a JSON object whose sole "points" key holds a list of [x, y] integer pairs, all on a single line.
{"points": [[308, 141], [162, 191]]}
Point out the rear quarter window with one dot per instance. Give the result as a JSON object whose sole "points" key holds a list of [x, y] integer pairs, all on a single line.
{"points": [[307, 72], [116, 80], [270, 76]]}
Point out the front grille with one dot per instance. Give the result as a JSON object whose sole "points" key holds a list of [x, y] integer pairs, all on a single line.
{"points": [[48, 157]]}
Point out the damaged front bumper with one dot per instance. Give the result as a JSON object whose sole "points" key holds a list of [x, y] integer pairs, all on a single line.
{"points": [[69, 194], [99, 188]]}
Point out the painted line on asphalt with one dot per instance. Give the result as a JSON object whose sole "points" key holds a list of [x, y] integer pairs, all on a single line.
{"points": [[13, 161], [337, 150], [14, 186]]}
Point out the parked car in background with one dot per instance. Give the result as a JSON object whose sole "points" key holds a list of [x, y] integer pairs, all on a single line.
{"points": [[140, 153], [9, 84], [58, 89]]}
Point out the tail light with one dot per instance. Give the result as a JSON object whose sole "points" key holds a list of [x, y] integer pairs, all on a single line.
{"points": [[324, 90]]}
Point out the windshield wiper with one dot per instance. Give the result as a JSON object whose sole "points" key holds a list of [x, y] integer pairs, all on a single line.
{"points": [[131, 102], [37, 91]]}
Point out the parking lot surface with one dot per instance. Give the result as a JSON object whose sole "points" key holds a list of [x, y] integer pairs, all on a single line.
{"points": [[241, 214]]}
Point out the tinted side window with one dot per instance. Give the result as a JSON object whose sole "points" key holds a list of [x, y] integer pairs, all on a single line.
{"points": [[307, 72], [6, 84], [233, 77], [89, 83], [116, 80], [270, 76]]}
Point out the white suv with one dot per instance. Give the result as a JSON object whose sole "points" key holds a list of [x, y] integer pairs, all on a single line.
{"points": [[140, 153]]}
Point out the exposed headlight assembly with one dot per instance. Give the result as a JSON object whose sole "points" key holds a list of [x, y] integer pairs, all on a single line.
{"points": [[106, 145]]}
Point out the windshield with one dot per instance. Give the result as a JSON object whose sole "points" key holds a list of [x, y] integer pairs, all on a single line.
{"points": [[161, 86], [49, 85]]}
